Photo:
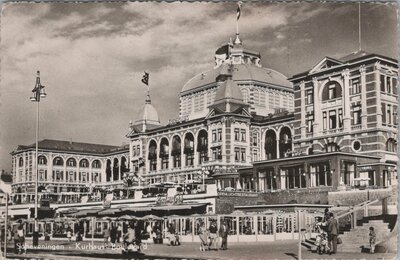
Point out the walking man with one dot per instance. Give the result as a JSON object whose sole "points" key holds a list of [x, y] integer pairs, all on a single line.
{"points": [[223, 233], [333, 231]]}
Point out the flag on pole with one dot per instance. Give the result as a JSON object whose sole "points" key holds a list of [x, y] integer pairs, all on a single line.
{"points": [[145, 78], [238, 11]]}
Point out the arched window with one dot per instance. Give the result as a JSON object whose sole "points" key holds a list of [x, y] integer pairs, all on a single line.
{"points": [[176, 151], [164, 153], [285, 142], [116, 169], [21, 162], [84, 163], [391, 145], [270, 145], [58, 161], [331, 91], [189, 149], [42, 160], [124, 165], [152, 155], [71, 162], [96, 164], [108, 170], [202, 146]]}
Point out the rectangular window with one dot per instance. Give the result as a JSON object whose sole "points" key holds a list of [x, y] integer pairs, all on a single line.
{"points": [[254, 140], [219, 135], [394, 85], [394, 115], [389, 85], [355, 86], [389, 114], [243, 154], [324, 120], [216, 153], [340, 117], [236, 134], [243, 135], [383, 107], [383, 89], [237, 154], [356, 115], [310, 121], [214, 135], [332, 119], [309, 96]]}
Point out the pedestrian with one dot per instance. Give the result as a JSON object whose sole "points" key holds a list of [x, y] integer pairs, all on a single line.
{"points": [[203, 234], [129, 236], [171, 234], [69, 233], [16, 241], [372, 239], [333, 231], [106, 235], [113, 235], [223, 233], [213, 235], [21, 238], [119, 232]]}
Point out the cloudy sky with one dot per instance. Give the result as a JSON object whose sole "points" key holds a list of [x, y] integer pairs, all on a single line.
{"points": [[92, 56]]}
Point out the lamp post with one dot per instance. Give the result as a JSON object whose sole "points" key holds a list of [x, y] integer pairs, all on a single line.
{"points": [[38, 93]]}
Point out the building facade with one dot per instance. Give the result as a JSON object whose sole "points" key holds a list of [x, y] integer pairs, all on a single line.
{"points": [[229, 117], [67, 170], [240, 127], [345, 128]]}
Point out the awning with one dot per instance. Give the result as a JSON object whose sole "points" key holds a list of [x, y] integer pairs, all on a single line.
{"points": [[110, 211], [85, 212]]}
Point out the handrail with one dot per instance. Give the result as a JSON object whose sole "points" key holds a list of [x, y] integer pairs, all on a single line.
{"points": [[359, 206]]}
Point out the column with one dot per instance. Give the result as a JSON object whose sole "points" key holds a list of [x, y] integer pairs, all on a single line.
{"points": [[302, 110], [170, 159], [120, 169], [363, 83], [317, 110], [346, 100], [378, 96], [277, 146]]}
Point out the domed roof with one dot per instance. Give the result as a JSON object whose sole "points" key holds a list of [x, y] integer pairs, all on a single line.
{"points": [[148, 114], [241, 72]]}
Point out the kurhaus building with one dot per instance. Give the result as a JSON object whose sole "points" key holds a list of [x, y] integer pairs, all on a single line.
{"points": [[241, 126]]}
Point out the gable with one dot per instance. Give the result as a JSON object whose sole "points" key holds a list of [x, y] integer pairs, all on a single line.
{"points": [[326, 63]]}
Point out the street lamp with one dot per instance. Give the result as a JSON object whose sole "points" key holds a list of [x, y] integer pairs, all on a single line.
{"points": [[38, 93]]}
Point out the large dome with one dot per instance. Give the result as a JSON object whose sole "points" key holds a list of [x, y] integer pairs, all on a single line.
{"points": [[241, 72]]}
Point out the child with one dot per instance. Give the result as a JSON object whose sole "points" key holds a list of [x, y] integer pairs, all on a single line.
{"points": [[372, 239]]}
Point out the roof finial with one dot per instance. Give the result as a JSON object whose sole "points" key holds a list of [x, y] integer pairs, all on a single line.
{"points": [[148, 100], [237, 40]]}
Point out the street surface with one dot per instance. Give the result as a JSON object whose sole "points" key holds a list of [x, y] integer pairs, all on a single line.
{"points": [[261, 250]]}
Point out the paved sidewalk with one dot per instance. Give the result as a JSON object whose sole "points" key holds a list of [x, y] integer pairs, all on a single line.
{"points": [[287, 249]]}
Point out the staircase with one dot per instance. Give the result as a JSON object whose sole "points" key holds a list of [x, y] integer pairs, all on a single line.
{"points": [[355, 235], [357, 240], [309, 244]]}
